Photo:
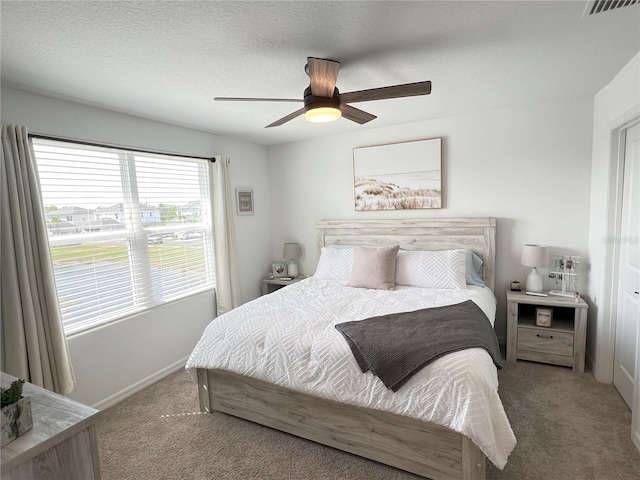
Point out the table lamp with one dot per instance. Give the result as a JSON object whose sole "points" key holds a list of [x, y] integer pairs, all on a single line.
{"points": [[291, 253], [534, 256]]}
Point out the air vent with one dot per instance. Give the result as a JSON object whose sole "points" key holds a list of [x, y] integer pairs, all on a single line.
{"points": [[601, 6]]}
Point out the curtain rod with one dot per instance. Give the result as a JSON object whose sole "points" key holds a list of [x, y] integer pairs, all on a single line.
{"points": [[106, 145]]}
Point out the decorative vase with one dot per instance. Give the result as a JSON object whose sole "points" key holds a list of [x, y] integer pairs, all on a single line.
{"points": [[16, 420]]}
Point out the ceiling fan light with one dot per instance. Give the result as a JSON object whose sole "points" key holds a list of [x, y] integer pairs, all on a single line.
{"points": [[322, 114]]}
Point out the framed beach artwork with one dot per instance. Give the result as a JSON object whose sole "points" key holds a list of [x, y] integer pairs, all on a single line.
{"points": [[398, 176]]}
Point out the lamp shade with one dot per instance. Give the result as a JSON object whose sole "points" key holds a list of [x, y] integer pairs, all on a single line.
{"points": [[292, 251], [535, 256]]}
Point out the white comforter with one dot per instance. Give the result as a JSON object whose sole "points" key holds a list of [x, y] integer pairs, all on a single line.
{"points": [[288, 338]]}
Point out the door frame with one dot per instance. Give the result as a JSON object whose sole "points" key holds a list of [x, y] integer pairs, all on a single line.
{"points": [[605, 350]]}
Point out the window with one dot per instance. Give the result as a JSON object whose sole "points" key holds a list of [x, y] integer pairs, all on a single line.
{"points": [[120, 240]]}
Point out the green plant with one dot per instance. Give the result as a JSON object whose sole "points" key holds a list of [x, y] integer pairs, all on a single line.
{"points": [[13, 393]]}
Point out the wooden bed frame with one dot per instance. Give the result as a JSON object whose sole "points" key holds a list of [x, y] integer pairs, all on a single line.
{"points": [[416, 446]]}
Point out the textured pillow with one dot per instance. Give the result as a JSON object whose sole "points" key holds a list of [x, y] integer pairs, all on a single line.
{"points": [[431, 269], [374, 267], [334, 264], [472, 269]]}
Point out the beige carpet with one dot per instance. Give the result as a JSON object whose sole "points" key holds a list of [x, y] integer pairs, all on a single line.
{"points": [[568, 426]]}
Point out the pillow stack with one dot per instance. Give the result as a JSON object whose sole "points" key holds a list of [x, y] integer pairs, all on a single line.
{"points": [[383, 268]]}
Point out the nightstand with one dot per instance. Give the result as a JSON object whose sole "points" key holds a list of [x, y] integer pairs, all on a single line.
{"points": [[563, 343], [270, 285]]}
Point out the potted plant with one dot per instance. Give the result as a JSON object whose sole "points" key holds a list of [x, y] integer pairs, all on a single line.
{"points": [[16, 412]]}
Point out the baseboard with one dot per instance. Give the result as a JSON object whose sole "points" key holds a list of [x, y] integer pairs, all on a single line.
{"points": [[117, 397]]}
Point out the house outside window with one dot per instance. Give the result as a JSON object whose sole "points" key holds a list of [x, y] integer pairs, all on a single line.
{"points": [[117, 242]]}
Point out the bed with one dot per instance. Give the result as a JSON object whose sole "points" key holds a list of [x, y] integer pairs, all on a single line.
{"points": [[319, 406]]}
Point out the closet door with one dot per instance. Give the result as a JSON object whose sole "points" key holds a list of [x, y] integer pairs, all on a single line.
{"points": [[628, 311]]}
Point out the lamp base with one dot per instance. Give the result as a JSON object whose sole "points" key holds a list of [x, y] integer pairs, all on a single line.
{"points": [[292, 269], [534, 281]]}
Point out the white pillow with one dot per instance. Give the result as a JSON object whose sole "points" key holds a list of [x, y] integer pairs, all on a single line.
{"points": [[334, 264], [431, 268]]}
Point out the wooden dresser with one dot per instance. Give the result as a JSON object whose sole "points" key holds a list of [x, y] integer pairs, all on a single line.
{"points": [[62, 443]]}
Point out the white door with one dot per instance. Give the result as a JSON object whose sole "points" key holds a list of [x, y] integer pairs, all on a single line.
{"points": [[628, 321]]}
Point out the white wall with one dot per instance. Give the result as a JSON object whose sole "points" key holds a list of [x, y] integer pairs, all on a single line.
{"points": [[114, 360], [527, 166], [614, 105]]}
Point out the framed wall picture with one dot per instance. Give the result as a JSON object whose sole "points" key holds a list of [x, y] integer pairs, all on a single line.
{"points": [[398, 176], [244, 201]]}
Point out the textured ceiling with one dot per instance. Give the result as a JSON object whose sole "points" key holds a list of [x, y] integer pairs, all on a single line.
{"points": [[167, 60]]}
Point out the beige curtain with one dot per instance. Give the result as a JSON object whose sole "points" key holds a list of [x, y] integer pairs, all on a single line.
{"points": [[227, 284], [34, 346]]}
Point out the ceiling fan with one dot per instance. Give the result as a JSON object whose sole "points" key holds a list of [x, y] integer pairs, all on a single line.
{"points": [[324, 103]]}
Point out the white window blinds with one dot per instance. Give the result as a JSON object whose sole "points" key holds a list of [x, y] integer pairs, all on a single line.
{"points": [[127, 230]]}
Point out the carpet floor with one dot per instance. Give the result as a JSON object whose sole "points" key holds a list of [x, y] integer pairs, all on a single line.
{"points": [[567, 424]]}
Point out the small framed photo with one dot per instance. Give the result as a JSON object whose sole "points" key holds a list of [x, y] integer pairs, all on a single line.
{"points": [[279, 270], [244, 201], [544, 316]]}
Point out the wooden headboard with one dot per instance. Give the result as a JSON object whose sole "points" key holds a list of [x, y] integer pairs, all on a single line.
{"points": [[476, 234]]}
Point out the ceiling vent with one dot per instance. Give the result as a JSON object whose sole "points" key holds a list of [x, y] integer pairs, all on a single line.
{"points": [[601, 6]]}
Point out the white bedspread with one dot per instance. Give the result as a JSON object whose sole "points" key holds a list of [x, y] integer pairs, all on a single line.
{"points": [[288, 338]]}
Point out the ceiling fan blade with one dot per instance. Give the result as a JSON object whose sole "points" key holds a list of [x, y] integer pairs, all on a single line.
{"points": [[242, 99], [382, 93], [291, 116], [323, 74], [355, 114]]}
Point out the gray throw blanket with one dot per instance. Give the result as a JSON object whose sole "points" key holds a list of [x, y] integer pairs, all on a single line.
{"points": [[396, 346]]}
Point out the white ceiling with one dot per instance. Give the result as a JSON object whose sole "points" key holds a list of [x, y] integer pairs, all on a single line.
{"points": [[167, 60]]}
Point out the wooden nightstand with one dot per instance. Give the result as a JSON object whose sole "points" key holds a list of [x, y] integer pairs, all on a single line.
{"points": [[270, 285], [563, 343]]}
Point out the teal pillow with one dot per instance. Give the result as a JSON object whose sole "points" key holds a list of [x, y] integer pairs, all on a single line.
{"points": [[473, 266]]}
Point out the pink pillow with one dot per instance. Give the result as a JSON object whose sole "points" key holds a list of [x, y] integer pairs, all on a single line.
{"points": [[374, 267]]}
